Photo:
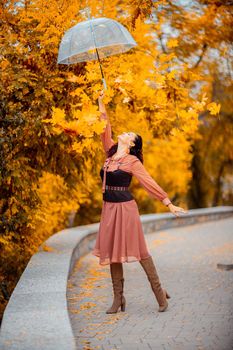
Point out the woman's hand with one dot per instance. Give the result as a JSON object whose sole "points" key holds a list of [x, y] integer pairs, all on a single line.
{"points": [[101, 104], [176, 210], [101, 95]]}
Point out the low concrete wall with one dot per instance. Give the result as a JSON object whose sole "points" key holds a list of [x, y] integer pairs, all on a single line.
{"points": [[36, 316]]}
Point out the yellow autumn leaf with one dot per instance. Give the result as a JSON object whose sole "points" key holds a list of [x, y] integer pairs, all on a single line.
{"points": [[77, 147], [214, 108], [183, 113], [172, 43], [171, 74], [98, 127], [76, 79], [58, 116], [160, 79], [87, 142], [161, 97], [47, 248], [166, 57]]}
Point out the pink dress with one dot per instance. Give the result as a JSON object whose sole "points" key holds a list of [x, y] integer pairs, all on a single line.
{"points": [[120, 237]]}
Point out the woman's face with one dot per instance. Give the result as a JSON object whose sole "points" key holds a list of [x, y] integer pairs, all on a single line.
{"points": [[127, 138]]}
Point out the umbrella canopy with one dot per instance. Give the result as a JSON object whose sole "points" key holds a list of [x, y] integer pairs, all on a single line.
{"points": [[80, 42]]}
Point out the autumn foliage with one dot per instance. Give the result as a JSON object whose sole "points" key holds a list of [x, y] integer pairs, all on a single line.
{"points": [[164, 89]]}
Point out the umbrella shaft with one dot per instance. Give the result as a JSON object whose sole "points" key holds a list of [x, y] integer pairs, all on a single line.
{"points": [[93, 34]]}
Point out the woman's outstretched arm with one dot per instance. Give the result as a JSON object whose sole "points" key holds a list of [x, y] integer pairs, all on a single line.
{"points": [[154, 190], [106, 136]]}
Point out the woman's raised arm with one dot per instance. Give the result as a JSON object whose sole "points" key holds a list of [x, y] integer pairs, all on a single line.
{"points": [[106, 136], [154, 190]]}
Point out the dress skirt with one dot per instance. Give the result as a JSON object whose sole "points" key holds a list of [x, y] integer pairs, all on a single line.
{"points": [[120, 237]]}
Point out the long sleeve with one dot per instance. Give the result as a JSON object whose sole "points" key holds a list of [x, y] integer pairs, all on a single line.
{"points": [[106, 136], [151, 186]]}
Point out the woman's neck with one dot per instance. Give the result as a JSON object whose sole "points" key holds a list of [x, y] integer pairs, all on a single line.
{"points": [[122, 150]]}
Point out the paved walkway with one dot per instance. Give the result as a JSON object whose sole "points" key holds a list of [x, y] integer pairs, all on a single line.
{"points": [[200, 312]]}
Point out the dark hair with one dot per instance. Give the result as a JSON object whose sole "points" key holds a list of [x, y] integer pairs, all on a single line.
{"points": [[136, 150]]}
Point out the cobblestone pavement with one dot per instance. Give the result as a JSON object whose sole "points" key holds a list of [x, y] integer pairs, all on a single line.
{"points": [[200, 311]]}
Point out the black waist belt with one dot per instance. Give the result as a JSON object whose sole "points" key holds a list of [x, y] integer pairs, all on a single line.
{"points": [[116, 188]]}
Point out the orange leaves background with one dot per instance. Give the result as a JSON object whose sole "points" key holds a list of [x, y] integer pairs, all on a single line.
{"points": [[169, 89]]}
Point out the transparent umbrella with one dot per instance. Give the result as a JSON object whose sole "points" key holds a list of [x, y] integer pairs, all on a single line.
{"points": [[94, 39]]}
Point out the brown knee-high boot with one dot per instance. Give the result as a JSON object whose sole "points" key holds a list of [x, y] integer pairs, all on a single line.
{"points": [[116, 270], [152, 275]]}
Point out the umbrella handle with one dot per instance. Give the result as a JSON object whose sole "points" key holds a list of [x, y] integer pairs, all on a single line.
{"points": [[104, 82]]}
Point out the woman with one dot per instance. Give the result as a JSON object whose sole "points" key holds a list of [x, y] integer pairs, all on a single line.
{"points": [[120, 237]]}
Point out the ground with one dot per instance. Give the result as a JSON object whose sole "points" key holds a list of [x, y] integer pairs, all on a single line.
{"points": [[200, 311]]}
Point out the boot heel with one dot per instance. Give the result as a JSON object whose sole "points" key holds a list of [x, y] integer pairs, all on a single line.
{"points": [[123, 306], [163, 308], [167, 295]]}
